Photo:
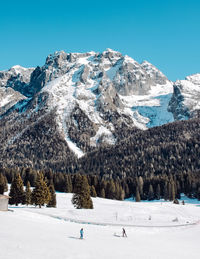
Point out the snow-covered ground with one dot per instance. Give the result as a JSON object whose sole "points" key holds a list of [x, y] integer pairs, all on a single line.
{"points": [[172, 232]]}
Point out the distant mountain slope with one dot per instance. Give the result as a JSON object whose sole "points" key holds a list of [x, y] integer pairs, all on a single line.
{"points": [[78, 102], [170, 148]]}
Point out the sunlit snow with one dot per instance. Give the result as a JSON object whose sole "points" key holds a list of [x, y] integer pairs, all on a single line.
{"points": [[155, 230]]}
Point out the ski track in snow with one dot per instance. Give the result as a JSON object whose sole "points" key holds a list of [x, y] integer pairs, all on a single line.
{"points": [[114, 224]]}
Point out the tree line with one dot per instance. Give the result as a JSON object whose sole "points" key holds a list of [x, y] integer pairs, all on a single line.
{"points": [[165, 186]]}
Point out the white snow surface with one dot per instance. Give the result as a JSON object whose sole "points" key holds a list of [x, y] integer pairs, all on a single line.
{"points": [[172, 232], [152, 108]]}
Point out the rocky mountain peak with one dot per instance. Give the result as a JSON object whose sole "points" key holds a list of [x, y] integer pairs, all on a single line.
{"points": [[195, 79], [90, 98], [156, 75]]}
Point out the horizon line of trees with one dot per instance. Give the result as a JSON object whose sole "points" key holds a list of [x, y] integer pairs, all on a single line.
{"points": [[168, 187]]}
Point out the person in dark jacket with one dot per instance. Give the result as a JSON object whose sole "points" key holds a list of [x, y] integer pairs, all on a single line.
{"points": [[124, 232]]}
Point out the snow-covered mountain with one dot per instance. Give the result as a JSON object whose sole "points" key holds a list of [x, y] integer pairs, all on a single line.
{"points": [[185, 102], [85, 99]]}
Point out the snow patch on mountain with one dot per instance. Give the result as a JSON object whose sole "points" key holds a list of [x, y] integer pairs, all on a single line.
{"points": [[154, 106]]}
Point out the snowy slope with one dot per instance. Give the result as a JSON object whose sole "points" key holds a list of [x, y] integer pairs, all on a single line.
{"points": [[49, 233]]}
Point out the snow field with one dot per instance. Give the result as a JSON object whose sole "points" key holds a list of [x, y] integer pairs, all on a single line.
{"points": [[30, 232]]}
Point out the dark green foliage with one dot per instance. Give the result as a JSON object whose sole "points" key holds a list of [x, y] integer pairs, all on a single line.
{"points": [[151, 193], [102, 194], [81, 197], [28, 193], [198, 194], [137, 195], [172, 193], [17, 191], [68, 184], [3, 184], [160, 150], [93, 191], [52, 201], [158, 192], [41, 194], [164, 186], [166, 193], [110, 190], [40, 144]]}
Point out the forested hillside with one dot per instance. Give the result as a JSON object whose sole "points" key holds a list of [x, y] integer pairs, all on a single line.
{"points": [[168, 149]]}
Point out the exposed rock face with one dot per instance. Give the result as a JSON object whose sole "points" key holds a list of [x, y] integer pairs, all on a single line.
{"points": [[185, 101], [16, 77], [8, 98], [79, 101]]}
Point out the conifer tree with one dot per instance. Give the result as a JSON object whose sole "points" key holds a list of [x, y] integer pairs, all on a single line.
{"points": [[137, 195], [81, 197], [41, 194], [158, 192], [110, 190], [140, 185], [102, 194], [173, 192], [52, 201], [28, 193], [166, 195], [68, 184], [3, 184], [17, 191], [93, 191], [198, 194], [151, 193], [121, 194]]}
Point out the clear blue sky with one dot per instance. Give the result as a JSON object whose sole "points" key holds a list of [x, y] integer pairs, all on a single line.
{"points": [[164, 32]]}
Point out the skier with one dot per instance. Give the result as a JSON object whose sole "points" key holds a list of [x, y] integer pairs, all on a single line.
{"points": [[81, 233], [124, 232]]}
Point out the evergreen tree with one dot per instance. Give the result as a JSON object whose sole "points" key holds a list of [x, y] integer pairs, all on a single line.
{"points": [[103, 185], [17, 191], [81, 197], [140, 185], [52, 201], [151, 193], [102, 194], [41, 193], [166, 195], [171, 190], [110, 190], [3, 184], [137, 195], [68, 184], [28, 193], [158, 192], [198, 194], [93, 191]]}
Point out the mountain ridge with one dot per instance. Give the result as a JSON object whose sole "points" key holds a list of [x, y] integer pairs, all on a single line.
{"points": [[94, 99]]}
